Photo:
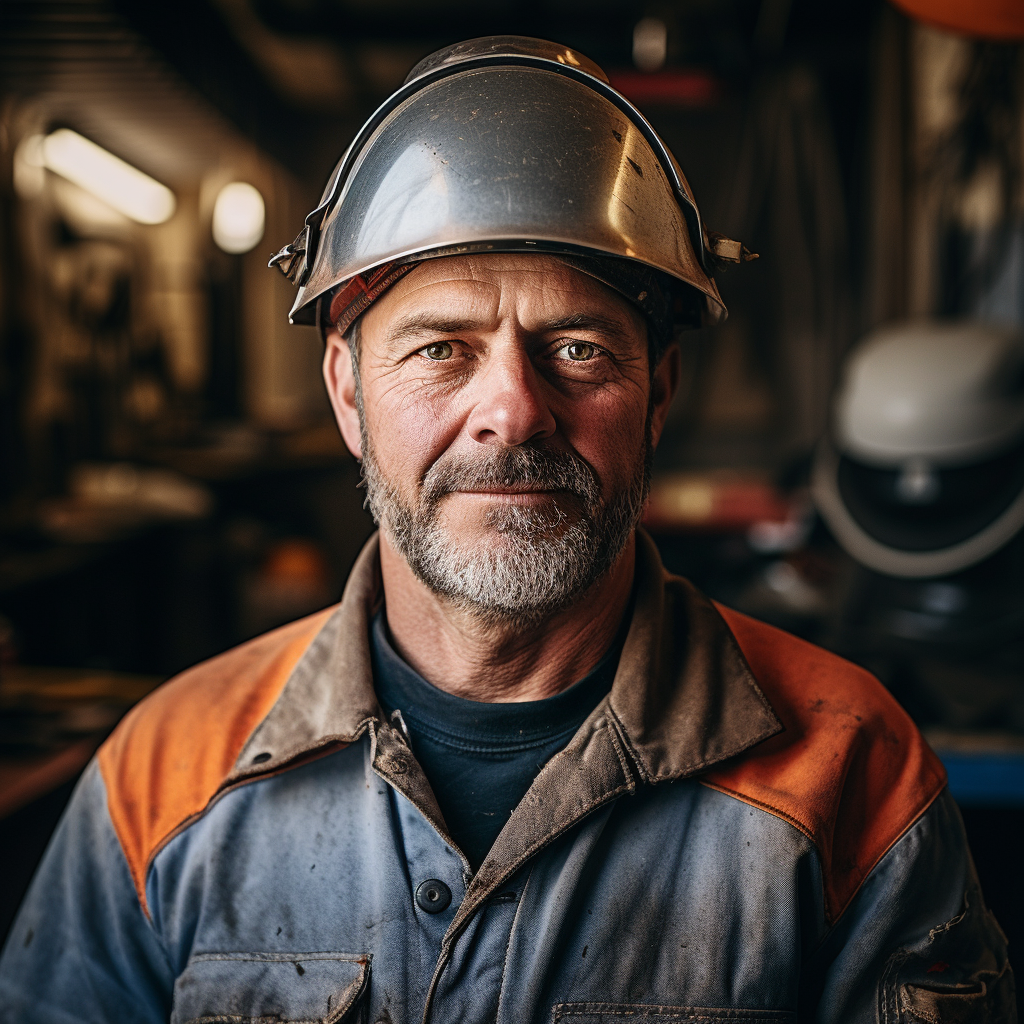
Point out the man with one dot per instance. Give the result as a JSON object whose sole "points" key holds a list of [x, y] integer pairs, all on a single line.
{"points": [[519, 774]]}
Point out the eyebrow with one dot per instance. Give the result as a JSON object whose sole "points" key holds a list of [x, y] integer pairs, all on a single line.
{"points": [[584, 322], [424, 323]]}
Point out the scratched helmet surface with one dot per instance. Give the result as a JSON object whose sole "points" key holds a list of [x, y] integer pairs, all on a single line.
{"points": [[506, 144]]}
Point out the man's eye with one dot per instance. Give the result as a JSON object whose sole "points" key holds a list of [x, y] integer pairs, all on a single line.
{"points": [[438, 350], [580, 351]]}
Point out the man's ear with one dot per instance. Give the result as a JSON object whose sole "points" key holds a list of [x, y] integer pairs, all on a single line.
{"points": [[664, 385], [341, 389]]}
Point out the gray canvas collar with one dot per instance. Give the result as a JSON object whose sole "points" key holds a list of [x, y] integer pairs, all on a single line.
{"points": [[682, 700]]}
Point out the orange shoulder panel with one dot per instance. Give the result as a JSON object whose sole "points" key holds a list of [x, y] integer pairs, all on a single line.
{"points": [[169, 756], [850, 769]]}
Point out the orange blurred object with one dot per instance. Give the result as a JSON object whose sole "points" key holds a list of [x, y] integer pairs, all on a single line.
{"points": [[296, 560], [713, 502], [984, 19], [293, 580]]}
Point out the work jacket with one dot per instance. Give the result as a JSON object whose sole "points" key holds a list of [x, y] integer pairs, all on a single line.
{"points": [[746, 829]]}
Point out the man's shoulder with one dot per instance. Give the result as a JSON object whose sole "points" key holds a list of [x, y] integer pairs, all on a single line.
{"points": [[172, 752], [849, 769], [818, 693]]}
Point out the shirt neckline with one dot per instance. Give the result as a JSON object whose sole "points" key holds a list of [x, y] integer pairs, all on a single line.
{"points": [[481, 726]]}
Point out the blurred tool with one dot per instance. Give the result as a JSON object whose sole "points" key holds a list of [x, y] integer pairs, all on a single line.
{"points": [[8, 646], [743, 539], [729, 502], [108, 499], [47, 708]]}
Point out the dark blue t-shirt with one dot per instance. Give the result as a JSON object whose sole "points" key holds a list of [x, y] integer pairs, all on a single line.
{"points": [[480, 758]]}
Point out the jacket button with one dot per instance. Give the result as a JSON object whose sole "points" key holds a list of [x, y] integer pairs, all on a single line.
{"points": [[433, 896]]}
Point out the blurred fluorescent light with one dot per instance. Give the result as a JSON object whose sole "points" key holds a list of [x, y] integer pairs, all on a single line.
{"points": [[29, 172], [650, 44], [82, 211], [239, 217], [107, 177]]}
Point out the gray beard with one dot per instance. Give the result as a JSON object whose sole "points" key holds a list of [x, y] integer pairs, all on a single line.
{"points": [[540, 560]]}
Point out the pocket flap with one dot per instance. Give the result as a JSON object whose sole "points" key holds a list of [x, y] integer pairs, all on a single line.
{"points": [[986, 999], [257, 988]]}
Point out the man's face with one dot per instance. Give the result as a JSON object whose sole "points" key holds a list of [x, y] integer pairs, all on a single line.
{"points": [[505, 428]]}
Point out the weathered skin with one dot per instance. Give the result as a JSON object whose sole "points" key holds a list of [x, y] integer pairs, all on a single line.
{"points": [[507, 382]]}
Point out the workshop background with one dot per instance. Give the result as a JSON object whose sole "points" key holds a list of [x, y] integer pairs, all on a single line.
{"points": [[171, 480]]}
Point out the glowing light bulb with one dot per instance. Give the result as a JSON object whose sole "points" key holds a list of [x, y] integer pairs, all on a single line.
{"points": [[650, 44], [239, 217]]}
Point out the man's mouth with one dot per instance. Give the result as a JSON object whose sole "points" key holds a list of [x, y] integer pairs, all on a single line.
{"points": [[521, 495], [506, 490]]}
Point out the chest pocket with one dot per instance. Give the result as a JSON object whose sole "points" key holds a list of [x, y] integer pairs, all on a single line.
{"points": [[259, 988], [641, 1013]]}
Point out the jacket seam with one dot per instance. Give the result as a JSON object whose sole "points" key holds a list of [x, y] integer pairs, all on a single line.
{"points": [[692, 1014], [293, 754], [140, 901], [256, 956], [508, 945], [878, 860], [777, 812], [186, 823], [832, 914]]}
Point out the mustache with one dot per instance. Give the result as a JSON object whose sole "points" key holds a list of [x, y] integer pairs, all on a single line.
{"points": [[536, 466]]}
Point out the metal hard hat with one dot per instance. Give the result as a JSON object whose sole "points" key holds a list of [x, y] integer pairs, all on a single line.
{"points": [[506, 144], [923, 474]]}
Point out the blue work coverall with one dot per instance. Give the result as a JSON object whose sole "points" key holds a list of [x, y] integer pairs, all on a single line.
{"points": [[746, 829]]}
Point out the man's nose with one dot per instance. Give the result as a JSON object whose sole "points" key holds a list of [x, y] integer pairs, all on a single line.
{"points": [[510, 405]]}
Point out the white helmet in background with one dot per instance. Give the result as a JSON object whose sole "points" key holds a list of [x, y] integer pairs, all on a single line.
{"points": [[923, 474]]}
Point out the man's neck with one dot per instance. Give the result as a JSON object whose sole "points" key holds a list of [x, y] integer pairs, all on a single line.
{"points": [[487, 660]]}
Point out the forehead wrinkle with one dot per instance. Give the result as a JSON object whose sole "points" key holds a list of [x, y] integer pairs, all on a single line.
{"points": [[504, 284]]}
